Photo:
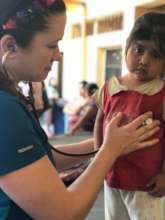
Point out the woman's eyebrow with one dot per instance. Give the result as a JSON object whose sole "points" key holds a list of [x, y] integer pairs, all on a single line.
{"points": [[55, 41], [52, 42]]}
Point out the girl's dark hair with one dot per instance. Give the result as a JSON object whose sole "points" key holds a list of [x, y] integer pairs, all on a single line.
{"points": [[24, 34], [91, 88], [150, 26]]}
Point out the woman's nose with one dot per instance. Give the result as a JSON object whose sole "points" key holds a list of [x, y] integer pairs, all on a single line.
{"points": [[57, 56]]}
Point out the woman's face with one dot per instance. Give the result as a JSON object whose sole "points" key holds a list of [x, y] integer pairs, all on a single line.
{"points": [[34, 62]]}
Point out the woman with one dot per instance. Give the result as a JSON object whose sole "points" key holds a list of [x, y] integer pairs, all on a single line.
{"points": [[73, 108], [88, 111], [30, 186]]}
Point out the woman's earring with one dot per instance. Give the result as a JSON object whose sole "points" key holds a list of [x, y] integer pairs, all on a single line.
{"points": [[3, 60]]}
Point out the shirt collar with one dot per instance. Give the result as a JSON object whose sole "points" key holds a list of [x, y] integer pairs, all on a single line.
{"points": [[149, 88]]}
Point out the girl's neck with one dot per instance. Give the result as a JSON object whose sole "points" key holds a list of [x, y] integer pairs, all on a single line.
{"points": [[130, 81]]}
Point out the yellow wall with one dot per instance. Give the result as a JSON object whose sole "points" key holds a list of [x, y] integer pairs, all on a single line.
{"points": [[97, 44]]}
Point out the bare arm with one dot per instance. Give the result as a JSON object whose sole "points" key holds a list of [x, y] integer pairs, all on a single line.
{"points": [[98, 129], [39, 191]]}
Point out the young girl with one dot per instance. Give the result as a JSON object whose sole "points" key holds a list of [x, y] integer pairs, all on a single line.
{"points": [[142, 89]]}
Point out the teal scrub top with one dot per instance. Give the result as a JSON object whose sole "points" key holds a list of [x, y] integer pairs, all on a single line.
{"points": [[22, 141]]}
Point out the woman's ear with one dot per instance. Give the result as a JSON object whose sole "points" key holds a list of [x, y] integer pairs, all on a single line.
{"points": [[7, 43]]}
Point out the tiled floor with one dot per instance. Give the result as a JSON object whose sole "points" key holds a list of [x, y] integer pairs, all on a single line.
{"points": [[97, 212]]}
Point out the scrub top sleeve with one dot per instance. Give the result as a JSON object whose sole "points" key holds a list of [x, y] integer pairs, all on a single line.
{"points": [[20, 144]]}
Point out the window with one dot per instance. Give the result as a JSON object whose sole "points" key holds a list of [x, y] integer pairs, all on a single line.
{"points": [[76, 31], [113, 63], [90, 28], [110, 24]]}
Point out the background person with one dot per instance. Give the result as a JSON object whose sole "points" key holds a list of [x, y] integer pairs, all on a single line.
{"points": [[88, 111], [72, 108], [53, 96], [34, 92]]}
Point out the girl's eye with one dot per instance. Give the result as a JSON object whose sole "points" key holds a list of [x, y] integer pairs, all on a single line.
{"points": [[157, 55], [139, 50]]}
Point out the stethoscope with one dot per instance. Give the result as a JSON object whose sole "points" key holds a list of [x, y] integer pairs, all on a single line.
{"points": [[31, 102]]}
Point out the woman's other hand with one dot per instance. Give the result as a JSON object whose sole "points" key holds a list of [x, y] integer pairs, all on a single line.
{"points": [[130, 137]]}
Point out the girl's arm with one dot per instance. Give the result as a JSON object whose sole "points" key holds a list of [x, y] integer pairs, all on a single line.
{"points": [[156, 186], [98, 129]]}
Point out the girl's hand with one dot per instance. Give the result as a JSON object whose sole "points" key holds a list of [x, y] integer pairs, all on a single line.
{"points": [[157, 185], [130, 137]]}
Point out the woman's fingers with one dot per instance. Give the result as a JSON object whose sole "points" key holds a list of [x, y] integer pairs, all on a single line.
{"points": [[114, 120], [141, 138], [133, 136], [143, 133], [138, 122], [140, 145], [147, 131], [146, 143], [148, 134], [111, 125]]}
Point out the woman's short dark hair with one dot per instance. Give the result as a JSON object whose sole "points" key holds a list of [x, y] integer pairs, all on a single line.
{"points": [[83, 83], [24, 34], [91, 88], [150, 27]]}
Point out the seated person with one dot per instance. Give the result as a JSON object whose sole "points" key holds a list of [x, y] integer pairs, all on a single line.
{"points": [[88, 111], [72, 108]]}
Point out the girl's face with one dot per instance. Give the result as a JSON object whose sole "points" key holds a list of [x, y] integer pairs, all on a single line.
{"points": [[144, 61], [34, 62]]}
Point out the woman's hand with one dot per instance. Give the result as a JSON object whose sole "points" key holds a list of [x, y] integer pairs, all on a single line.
{"points": [[130, 137]]}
